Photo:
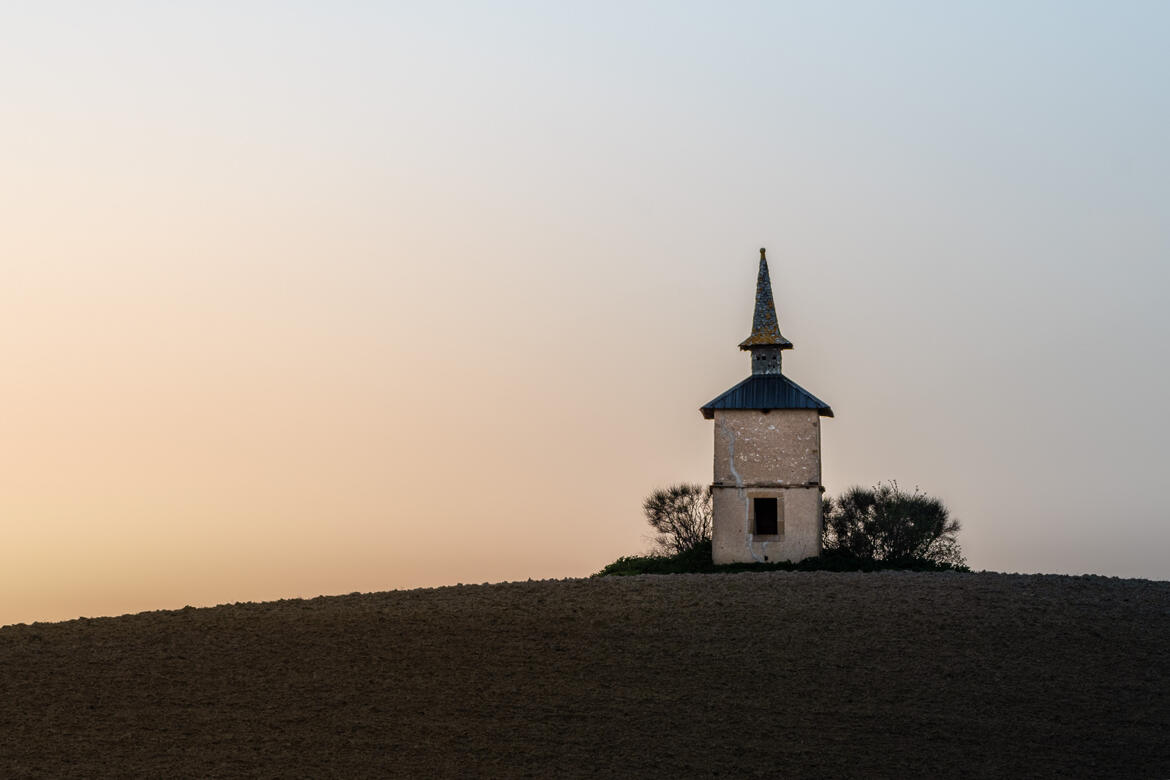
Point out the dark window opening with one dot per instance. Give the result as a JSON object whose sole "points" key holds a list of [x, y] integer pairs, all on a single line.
{"points": [[766, 524]]}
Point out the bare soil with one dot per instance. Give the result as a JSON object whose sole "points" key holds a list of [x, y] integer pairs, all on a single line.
{"points": [[738, 675]]}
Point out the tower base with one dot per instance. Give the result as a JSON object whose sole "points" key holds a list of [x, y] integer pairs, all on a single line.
{"points": [[765, 523]]}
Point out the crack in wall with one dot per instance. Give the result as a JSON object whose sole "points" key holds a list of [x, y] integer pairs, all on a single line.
{"points": [[730, 434], [752, 550]]}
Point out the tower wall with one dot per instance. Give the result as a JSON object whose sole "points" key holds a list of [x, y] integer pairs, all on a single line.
{"points": [[767, 360], [766, 455]]}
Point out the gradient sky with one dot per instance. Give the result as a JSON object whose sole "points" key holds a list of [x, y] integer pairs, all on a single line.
{"points": [[305, 298]]}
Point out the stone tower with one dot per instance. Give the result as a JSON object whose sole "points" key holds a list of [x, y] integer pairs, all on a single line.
{"points": [[767, 488]]}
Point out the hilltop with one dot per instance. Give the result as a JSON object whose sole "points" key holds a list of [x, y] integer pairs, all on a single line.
{"points": [[799, 674]]}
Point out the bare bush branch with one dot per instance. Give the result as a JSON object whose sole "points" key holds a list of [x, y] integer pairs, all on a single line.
{"points": [[681, 516]]}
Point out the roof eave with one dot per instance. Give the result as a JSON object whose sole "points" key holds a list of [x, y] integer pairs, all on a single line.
{"points": [[708, 412], [765, 341]]}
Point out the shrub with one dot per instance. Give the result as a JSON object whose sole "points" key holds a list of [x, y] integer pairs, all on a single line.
{"points": [[886, 524], [696, 559], [681, 516]]}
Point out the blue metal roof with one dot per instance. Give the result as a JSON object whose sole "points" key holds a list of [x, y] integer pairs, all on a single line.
{"points": [[766, 391]]}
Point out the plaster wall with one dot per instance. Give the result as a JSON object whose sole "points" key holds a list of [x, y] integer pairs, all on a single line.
{"points": [[781, 447]]}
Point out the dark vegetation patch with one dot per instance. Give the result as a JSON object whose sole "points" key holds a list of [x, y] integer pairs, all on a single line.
{"points": [[697, 560]]}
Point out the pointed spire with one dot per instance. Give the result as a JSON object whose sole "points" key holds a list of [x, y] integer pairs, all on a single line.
{"points": [[765, 327]]}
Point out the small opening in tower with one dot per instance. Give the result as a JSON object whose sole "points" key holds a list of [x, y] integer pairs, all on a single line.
{"points": [[767, 520]]}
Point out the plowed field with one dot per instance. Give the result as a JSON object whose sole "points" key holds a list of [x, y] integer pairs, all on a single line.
{"points": [[739, 675]]}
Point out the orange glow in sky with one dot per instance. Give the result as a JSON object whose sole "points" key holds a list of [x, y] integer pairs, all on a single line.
{"points": [[318, 299]]}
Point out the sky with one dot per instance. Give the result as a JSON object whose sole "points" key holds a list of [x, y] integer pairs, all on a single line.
{"points": [[314, 298]]}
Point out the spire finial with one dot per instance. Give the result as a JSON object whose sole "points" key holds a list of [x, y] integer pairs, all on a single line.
{"points": [[765, 328]]}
